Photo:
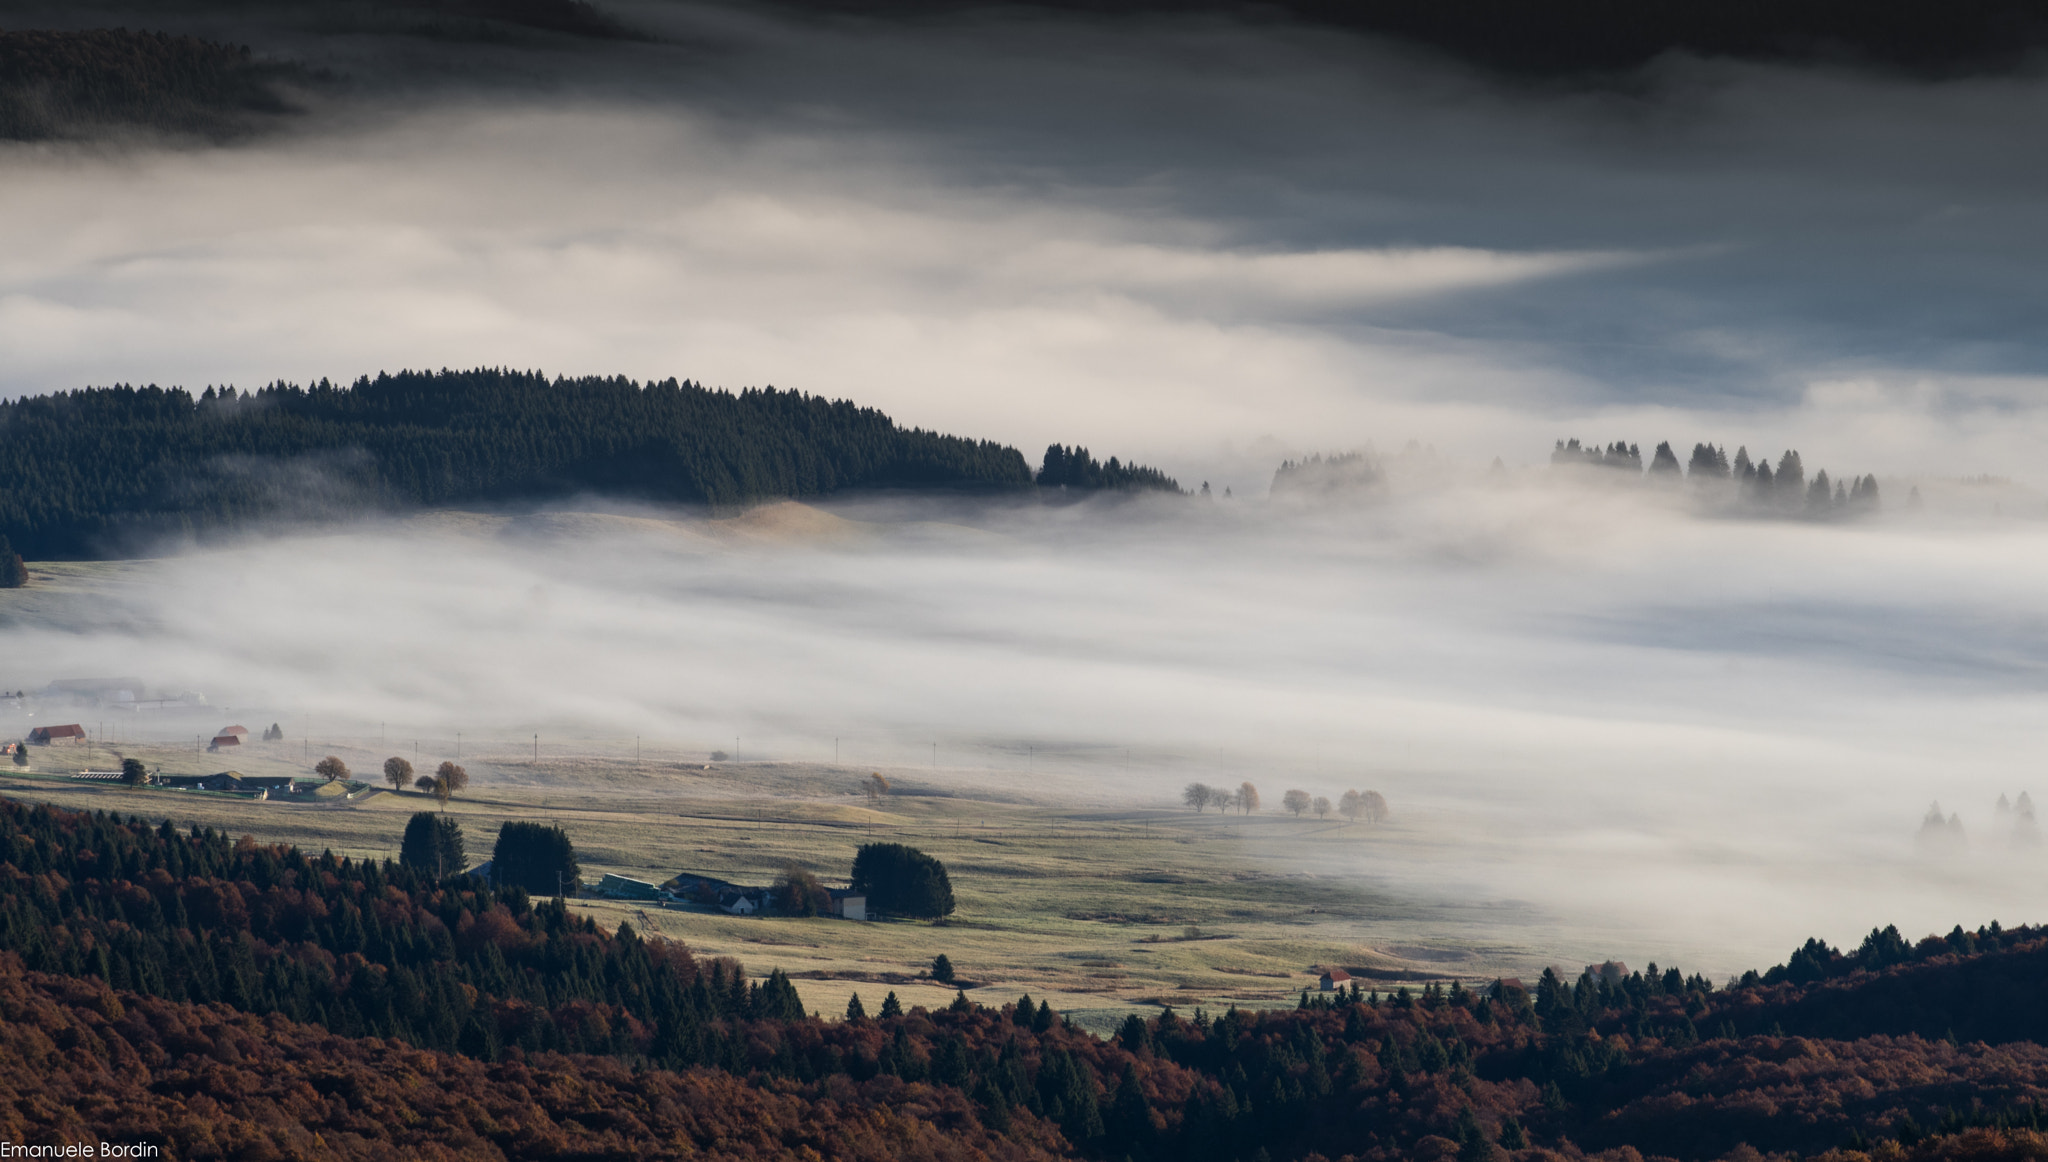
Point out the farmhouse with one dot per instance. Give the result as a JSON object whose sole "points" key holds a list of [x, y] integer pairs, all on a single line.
{"points": [[623, 888], [223, 740], [45, 735], [237, 731], [738, 903], [1333, 980]]}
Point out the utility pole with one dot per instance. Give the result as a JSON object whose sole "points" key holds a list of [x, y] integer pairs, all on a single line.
{"points": [[636, 748], [458, 746], [935, 756], [835, 752], [536, 750]]}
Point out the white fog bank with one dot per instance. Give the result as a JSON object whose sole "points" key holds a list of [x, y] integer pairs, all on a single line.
{"points": [[1715, 736]]}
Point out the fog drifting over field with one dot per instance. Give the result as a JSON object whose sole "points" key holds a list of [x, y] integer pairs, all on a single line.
{"points": [[1205, 246], [1706, 737]]}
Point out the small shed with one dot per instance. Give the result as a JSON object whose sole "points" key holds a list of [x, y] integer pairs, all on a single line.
{"points": [[847, 905], [1333, 979], [738, 904], [45, 735], [222, 741]]}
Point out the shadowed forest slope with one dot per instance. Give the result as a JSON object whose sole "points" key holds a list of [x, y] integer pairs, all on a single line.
{"points": [[236, 999]]}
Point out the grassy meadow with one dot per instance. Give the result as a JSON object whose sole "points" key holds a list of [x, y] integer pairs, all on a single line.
{"points": [[1099, 907]]}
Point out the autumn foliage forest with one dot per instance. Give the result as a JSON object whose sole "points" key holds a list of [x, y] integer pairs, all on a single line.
{"points": [[225, 998]]}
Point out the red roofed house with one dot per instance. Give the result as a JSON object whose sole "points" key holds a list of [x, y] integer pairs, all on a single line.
{"points": [[1334, 979], [45, 735], [234, 730], [221, 740]]}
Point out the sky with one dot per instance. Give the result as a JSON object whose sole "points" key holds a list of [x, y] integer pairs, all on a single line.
{"points": [[1167, 239], [1209, 246]]}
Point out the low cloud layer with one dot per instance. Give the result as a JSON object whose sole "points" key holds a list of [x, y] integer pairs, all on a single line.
{"points": [[1709, 737]]}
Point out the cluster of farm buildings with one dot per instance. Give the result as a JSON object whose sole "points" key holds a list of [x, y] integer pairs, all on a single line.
{"points": [[710, 891]]}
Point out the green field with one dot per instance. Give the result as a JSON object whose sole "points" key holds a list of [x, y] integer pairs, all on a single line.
{"points": [[1101, 908]]}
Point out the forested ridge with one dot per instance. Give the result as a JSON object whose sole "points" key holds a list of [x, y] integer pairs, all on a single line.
{"points": [[1553, 38], [65, 83], [229, 998], [86, 472]]}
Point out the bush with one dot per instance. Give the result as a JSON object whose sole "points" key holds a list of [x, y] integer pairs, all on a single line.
{"points": [[536, 857], [902, 881]]}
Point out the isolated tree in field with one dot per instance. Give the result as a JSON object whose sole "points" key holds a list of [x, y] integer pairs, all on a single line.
{"points": [[397, 772], [453, 777], [424, 784], [942, 969], [1322, 807], [1247, 798], [1296, 801], [1374, 807], [331, 768], [432, 844], [274, 734], [133, 772], [875, 786], [1350, 804], [798, 893], [1196, 795], [902, 881], [13, 574], [534, 856]]}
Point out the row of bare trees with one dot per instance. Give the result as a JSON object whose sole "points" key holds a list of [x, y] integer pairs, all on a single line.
{"points": [[1201, 795], [442, 784], [1370, 806]]}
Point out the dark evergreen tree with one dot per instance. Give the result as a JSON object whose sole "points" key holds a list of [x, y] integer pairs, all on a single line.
{"points": [[902, 881], [535, 856], [13, 573], [432, 844]]}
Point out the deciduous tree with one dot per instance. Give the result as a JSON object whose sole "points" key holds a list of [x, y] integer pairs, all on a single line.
{"points": [[1247, 798], [331, 768], [397, 772], [1296, 801], [1321, 807]]}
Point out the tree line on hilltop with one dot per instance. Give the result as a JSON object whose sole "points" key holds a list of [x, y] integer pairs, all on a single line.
{"points": [[1754, 483], [92, 469], [137, 950], [1370, 806]]}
